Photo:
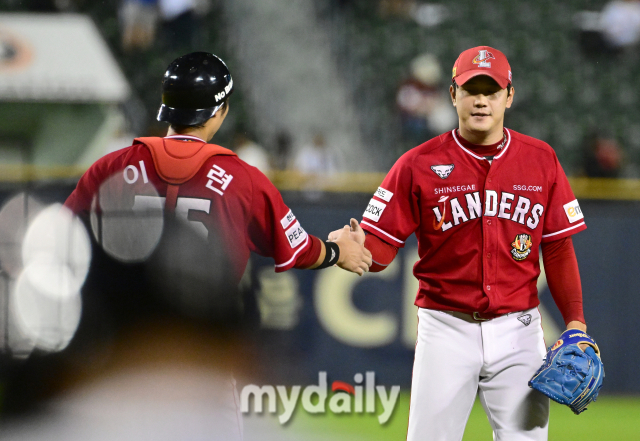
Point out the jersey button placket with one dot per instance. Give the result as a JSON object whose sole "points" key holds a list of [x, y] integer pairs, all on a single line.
{"points": [[489, 267], [490, 244]]}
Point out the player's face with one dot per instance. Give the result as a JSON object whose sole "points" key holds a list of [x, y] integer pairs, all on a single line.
{"points": [[481, 104]]}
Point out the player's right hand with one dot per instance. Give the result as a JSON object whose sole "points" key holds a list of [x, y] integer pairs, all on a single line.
{"points": [[354, 256], [356, 232]]}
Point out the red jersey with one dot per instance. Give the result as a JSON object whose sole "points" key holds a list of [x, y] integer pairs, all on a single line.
{"points": [[207, 185], [479, 224]]}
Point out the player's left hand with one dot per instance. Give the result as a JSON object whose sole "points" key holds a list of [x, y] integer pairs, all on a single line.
{"points": [[355, 230], [575, 324], [571, 375]]}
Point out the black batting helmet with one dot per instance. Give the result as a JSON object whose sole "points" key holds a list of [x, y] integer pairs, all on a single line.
{"points": [[194, 87]]}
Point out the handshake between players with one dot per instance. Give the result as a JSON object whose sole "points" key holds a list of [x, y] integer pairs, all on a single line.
{"points": [[354, 256]]}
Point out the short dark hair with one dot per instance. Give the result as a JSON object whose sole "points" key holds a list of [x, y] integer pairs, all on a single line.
{"points": [[179, 129]]}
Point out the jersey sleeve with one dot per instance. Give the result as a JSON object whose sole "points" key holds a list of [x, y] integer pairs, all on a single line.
{"points": [[82, 196], [79, 201], [274, 230], [382, 253], [393, 213], [564, 216]]}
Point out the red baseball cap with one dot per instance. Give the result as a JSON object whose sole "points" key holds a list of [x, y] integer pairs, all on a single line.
{"points": [[482, 60]]}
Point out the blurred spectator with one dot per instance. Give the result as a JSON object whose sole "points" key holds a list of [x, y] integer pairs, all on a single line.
{"points": [[139, 20], [181, 25], [430, 14], [283, 150], [603, 158], [620, 23], [316, 158], [251, 153], [425, 14], [396, 8], [425, 107]]}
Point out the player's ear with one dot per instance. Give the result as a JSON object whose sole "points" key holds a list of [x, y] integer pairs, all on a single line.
{"points": [[510, 97], [452, 92]]}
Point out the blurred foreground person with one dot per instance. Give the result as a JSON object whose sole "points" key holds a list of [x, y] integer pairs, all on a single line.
{"points": [[151, 358]]}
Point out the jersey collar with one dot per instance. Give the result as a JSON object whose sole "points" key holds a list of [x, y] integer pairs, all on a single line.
{"points": [[504, 149], [187, 137]]}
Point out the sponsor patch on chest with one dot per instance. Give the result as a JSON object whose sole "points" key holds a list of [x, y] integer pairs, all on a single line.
{"points": [[374, 210], [573, 211]]}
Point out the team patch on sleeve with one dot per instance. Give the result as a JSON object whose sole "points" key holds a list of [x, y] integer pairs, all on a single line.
{"points": [[296, 234], [374, 210], [573, 211], [383, 194], [286, 221]]}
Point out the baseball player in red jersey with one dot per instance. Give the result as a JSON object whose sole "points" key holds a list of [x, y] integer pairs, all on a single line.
{"points": [[208, 185], [482, 200]]}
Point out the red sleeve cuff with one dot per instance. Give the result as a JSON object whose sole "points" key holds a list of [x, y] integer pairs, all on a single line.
{"points": [[370, 228], [309, 256], [382, 253]]}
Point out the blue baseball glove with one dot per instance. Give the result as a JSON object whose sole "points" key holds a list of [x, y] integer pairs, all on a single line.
{"points": [[569, 375]]}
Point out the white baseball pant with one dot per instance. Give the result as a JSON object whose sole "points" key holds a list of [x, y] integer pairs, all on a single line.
{"points": [[458, 358]]}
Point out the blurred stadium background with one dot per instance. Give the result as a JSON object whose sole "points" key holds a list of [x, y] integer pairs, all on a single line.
{"points": [[328, 94]]}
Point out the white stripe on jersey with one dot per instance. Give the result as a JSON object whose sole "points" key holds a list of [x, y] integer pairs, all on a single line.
{"points": [[562, 231], [294, 254], [383, 232], [455, 137]]}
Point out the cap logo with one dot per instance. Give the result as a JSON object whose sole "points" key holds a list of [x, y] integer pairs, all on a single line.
{"points": [[482, 58], [453, 75]]}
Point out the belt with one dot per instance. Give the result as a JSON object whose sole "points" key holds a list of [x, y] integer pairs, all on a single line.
{"points": [[482, 317], [477, 316]]}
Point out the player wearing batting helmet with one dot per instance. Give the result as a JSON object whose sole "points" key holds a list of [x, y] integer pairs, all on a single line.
{"points": [[481, 199], [202, 184], [208, 185]]}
